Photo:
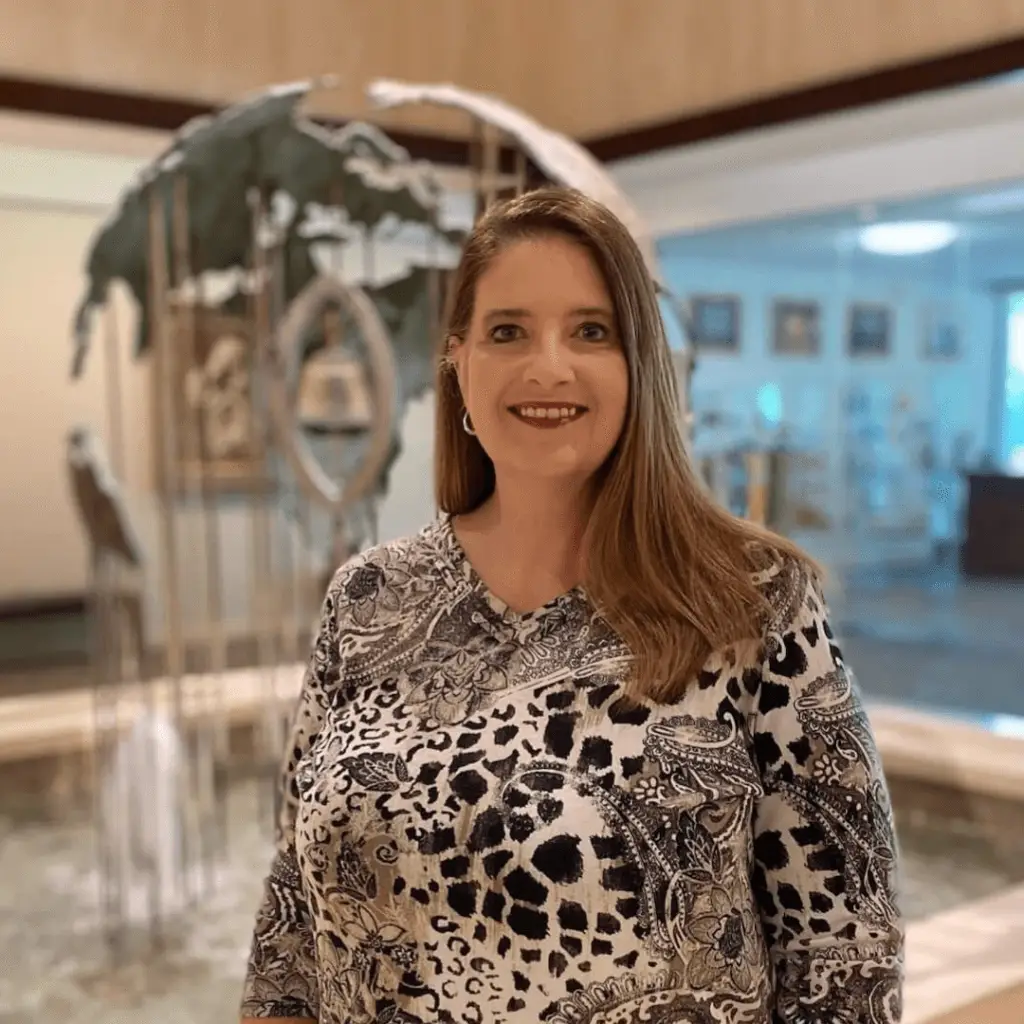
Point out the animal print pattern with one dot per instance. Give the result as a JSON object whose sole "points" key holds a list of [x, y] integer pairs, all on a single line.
{"points": [[477, 828]]}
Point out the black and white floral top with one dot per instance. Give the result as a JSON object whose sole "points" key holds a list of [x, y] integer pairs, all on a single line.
{"points": [[476, 828]]}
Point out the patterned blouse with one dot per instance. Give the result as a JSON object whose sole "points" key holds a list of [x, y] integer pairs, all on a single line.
{"points": [[476, 827]]}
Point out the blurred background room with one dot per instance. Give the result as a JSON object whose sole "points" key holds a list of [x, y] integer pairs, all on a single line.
{"points": [[225, 230]]}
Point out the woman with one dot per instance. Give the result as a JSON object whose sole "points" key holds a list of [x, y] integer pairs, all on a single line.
{"points": [[584, 750]]}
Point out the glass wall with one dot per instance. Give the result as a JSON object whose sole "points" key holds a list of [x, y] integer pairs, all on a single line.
{"points": [[1012, 426], [873, 357]]}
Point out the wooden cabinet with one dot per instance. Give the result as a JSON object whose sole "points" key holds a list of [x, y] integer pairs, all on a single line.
{"points": [[994, 541]]}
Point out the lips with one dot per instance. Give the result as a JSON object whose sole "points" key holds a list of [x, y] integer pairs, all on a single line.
{"points": [[546, 415]]}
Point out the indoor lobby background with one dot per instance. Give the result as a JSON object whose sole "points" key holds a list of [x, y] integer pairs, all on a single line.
{"points": [[835, 195]]}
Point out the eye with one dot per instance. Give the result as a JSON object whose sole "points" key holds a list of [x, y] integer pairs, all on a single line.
{"points": [[593, 331], [505, 332]]}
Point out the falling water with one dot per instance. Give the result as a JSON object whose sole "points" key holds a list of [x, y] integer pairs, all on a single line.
{"points": [[143, 791]]}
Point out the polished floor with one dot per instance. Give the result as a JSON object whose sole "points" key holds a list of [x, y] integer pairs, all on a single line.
{"points": [[933, 640]]}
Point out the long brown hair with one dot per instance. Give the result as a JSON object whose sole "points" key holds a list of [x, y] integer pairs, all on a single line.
{"points": [[669, 569]]}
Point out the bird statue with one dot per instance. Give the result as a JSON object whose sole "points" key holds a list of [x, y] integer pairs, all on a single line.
{"points": [[100, 501]]}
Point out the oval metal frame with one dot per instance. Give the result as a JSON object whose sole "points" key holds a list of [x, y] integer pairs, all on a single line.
{"points": [[312, 478]]}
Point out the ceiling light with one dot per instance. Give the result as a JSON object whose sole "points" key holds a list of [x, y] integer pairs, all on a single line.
{"points": [[909, 238]]}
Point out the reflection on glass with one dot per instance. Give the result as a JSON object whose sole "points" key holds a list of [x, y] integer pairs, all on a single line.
{"points": [[863, 383], [1013, 408]]}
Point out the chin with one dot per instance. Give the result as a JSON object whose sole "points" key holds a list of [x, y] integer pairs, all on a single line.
{"points": [[572, 470]]}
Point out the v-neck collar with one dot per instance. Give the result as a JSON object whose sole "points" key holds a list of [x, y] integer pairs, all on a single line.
{"points": [[456, 557]]}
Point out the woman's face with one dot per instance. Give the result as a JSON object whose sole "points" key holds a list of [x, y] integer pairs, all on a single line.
{"points": [[541, 369]]}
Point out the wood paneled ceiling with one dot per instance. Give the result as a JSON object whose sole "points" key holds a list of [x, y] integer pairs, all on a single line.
{"points": [[595, 69]]}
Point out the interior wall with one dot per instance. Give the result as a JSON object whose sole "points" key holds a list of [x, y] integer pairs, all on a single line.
{"points": [[928, 144], [40, 277], [584, 68]]}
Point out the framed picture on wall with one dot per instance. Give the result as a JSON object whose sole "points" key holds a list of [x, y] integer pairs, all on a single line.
{"points": [[715, 322], [941, 332], [869, 329], [796, 328]]}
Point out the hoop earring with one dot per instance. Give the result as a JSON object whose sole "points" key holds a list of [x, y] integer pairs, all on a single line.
{"points": [[466, 425]]}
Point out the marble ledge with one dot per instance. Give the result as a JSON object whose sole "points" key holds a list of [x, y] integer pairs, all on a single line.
{"points": [[963, 955], [982, 755], [968, 755]]}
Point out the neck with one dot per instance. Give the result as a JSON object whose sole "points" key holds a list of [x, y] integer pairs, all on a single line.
{"points": [[538, 525]]}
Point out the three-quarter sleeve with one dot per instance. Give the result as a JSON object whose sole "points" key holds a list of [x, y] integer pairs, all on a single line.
{"points": [[825, 850], [281, 977]]}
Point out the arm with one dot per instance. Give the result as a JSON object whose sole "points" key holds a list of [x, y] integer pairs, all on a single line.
{"points": [[824, 845], [281, 978]]}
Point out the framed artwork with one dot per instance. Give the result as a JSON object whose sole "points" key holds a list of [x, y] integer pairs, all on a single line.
{"points": [[941, 332], [869, 329], [715, 322], [211, 391], [796, 328]]}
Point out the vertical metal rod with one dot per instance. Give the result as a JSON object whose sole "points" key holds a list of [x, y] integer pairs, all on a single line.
{"points": [[520, 171], [339, 535], [218, 645], [123, 619], [107, 876], [262, 590], [209, 671], [106, 689], [477, 144], [491, 164], [290, 492], [289, 566], [167, 406], [334, 328]]}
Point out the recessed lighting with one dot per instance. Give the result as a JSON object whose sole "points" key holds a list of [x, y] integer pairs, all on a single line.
{"points": [[908, 238]]}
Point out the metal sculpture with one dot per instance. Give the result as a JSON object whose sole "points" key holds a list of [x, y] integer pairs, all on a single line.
{"points": [[291, 342], [563, 162], [261, 148], [100, 500], [252, 191], [558, 157]]}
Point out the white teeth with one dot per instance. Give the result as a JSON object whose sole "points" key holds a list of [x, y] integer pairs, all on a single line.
{"points": [[551, 413]]}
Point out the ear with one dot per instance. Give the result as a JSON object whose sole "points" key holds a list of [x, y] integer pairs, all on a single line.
{"points": [[455, 355]]}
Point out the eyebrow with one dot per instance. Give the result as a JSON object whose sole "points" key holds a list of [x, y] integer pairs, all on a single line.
{"points": [[522, 313]]}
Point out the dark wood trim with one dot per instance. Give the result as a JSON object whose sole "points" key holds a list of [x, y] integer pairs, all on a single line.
{"points": [[864, 90], [167, 113], [56, 605]]}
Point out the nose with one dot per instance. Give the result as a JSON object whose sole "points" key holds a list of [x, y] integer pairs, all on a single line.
{"points": [[550, 362]]}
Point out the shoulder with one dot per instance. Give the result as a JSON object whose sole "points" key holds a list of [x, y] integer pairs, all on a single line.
{"points": [[791, 587], [394, 560], [381, 578], [797, 644]]}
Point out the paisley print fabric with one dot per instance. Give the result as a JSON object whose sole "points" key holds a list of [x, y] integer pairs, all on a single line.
{"points": [[477, 828]]}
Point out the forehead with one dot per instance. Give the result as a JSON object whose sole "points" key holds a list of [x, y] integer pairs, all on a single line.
{"points": [[544, 271]]}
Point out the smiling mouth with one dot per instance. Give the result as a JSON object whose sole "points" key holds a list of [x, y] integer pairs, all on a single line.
{"points": [[548, 415]]}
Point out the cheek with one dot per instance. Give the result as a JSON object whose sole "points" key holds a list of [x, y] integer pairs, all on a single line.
{"points": [[615, 388], [478, 386]]}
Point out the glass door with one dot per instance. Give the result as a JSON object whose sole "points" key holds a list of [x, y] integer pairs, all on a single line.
{"points": [[1013, 395]]}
